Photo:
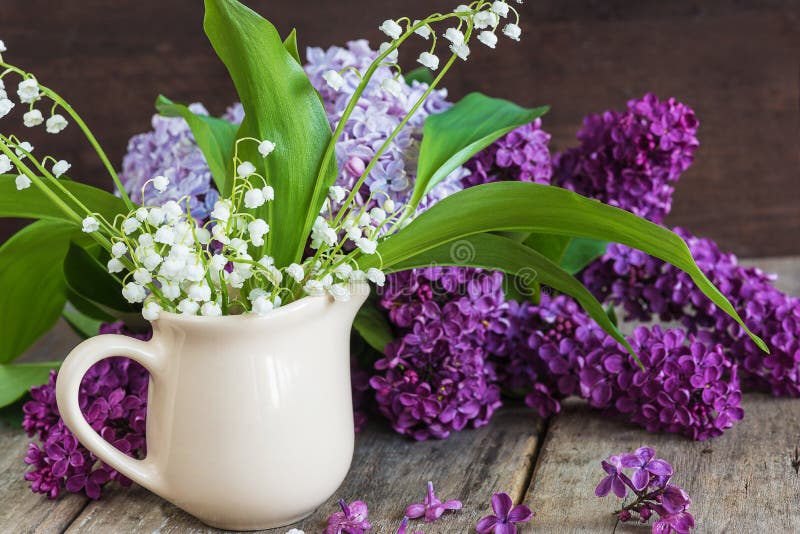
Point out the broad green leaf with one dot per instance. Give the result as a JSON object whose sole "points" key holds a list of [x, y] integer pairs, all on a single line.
{"points": [[452, 137], [518, 206], [420, 74], [82, 324], [499, 253], [31, 284], [214, 136], [17, 379], [280, 105], [550, 246], [581, 252], [371, 324], [31, 203]]}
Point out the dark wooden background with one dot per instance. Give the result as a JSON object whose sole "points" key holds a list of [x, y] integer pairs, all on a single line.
{"points": [[735, 62]]}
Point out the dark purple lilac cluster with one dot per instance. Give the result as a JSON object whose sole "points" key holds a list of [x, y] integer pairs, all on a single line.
{"points": [[113, 398], [632, 159], [650, 484], [686, 386], [543, 349], [556, 351], [436, 376], [522, 155], [646, 288]]}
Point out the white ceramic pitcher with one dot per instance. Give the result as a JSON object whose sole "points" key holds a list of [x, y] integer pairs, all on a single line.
{"points": [[249, 419]]}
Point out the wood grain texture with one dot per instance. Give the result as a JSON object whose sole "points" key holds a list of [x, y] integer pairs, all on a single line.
{"points": [[22, 511], [388, 472], [744, 481], [734, 62]]}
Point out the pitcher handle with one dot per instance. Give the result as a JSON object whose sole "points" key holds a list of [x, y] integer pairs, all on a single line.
{"points": [[143, 472]]}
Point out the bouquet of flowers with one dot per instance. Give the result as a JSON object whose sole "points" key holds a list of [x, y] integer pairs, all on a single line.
{"points": [[345, 171]]}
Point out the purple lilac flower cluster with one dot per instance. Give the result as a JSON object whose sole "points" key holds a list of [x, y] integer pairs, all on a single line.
{"points": [[169, 150], [650, 484], [522, 155], [556, 351], [646, 287], [113, 398], [632, 159], [377, 114], [436, 376]]}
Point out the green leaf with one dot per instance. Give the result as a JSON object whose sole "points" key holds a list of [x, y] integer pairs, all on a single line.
{"points": [[581, 252], [371, 324], [519, 206], [31, 203], [88, 308], [489, 251], [550, 246], [281, 105], [31, 284], [82, 324], [612, 314], [290, 44], [420, 74], [452, 137], [214, 136], [17, 379]]}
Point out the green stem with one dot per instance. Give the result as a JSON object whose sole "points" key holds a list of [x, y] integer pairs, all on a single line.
{"points": [[55, 97], [329, 150], [93, 141]]}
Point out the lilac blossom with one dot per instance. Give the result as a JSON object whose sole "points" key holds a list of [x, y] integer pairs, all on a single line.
{"points": [[654, 494], [646, 288], [113, 397], [521, 155], [352, 519], [372, 121], [506, 516], [431, 507], [615, 479], [689, 385], [644, 466], [169, 150], [436, 377], [632, 159]]}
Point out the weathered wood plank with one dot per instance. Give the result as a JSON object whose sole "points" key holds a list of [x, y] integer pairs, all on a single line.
{"points": [[21, 510], [389, 472], [744, 481]]}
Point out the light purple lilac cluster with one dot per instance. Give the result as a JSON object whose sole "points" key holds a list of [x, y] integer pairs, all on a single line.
{"points": [[650, 482], [169, 150], [113, 399], [374, 118], [632, 159], [436, 376], [646, 288]]}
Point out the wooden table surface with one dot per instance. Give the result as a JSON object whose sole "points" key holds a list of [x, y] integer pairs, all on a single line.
{"points": [[747, 481]]}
